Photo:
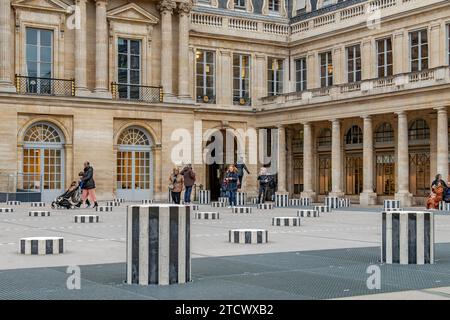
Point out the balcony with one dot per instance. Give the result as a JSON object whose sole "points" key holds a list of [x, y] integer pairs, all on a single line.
{"points": [[365, 88], [45, 86], [133, 92]]}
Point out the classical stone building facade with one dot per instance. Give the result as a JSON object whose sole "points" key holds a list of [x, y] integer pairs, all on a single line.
{"points": [[358, 90]]}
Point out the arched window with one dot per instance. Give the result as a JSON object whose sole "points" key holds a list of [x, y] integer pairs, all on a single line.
{"points": [[324, 139], [419, 130], [384, 133], [43, 160], [354, 136], [134, 164]]}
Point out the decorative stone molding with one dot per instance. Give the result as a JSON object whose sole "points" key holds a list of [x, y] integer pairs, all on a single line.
{"points": [[185, 7], [166, 6]]}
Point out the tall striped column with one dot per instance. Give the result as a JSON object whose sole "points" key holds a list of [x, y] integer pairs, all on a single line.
{"points": [[204, 196], [241, 198], [158, 244], [281, 199], [407, 237]]}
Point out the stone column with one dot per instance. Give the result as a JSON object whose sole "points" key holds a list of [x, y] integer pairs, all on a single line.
{"points": [[166, 8], [399, 56], [281, 159], [101, 50], [259, 77], [184, 10], [338, 56], [366, 59], [289, 161], [435, 45], [311, 68], [81, 52], [402, 166], [224, 91], [6, 52], [442, 142], [308, 191], [368, 197], [336, 159]]}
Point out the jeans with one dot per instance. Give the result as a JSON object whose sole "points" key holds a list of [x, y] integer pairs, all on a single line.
{"points": [[262, 194], [232, 197], [187, 194], [176, 197]]}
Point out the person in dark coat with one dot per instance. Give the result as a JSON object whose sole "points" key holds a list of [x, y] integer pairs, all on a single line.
{"points": [[189, 181], [232, 179], [264, 181], [88, 184], [241, 167]]}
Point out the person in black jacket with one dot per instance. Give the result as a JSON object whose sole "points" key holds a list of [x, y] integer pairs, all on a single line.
{"points": [[264, 181], [88, 185]]}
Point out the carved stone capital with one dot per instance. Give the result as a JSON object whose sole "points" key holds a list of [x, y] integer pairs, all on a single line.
{"points": [[166, 6], [185, 7]]}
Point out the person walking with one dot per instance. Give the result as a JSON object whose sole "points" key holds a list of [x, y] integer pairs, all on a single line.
{"points": [[176, 182], [88, 184], [189, 181], [264, 180], [232, 179], [241, 167]]}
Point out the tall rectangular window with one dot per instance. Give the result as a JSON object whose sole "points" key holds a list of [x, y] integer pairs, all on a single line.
{"points": [[326, 69], [241, 79], [384, 57], [354, 63], [39, 59], [418, 41], [274, 5], [274, 76], [129, 68], [239, 4], [300, 74], [206, 76]]}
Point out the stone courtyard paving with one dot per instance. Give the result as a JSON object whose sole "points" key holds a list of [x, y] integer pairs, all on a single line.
{"points": [[324, 258]]}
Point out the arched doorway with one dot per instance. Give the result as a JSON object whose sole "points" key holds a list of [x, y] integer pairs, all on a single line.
{"points": [[324, 158], [219, 158], [43, 157], [134, 165], [353, 161], [385, 159], [419, 158]]}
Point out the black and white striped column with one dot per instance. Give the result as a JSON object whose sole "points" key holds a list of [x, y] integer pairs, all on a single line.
{"points": [[6, 210], [104, 209], [241, 210], [281, 199], [217, 204], [265, 206], [204, 197], [207, 215], [444, 206], [169, 197], [308, 213], [41, 245], [112, 204], [302, 202], [194, 207], [147, 201], [332, 202], [391, 205], [119, 200], [223, 199], [13, 203], [158, 244], [322, 209], [286, 221], [344, 203], [248, 236], [37, 204], [241, 198], [39, 213], [254, 200], [86, 218], [407, 237]]}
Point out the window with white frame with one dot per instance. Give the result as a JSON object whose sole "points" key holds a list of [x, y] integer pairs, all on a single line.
{"points": [[129, 68], [274, 76], [39, 59], [300, 74], [274, 5], [384, 57], [241, 79], [354, 63], [205, 76], [326, 69], [418, 41], [239, 4]]}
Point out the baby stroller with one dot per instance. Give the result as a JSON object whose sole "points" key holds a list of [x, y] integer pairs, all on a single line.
{"points": [[70, 198]]}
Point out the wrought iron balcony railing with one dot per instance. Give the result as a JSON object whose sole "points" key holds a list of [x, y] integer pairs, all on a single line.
{"points": [[45, 86], [136, 92]]}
